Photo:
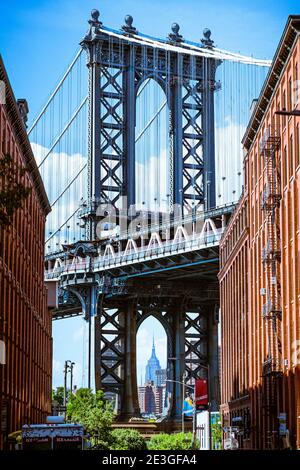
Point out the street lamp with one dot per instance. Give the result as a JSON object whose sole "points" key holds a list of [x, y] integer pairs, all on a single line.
{"points": [[68, 367], [71, 371], [184, 386]]}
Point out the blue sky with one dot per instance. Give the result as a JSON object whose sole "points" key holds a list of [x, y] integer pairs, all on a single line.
{"points": [[38, 39]]}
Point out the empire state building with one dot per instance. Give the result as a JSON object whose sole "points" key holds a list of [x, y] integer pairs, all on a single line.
{"points": [[152, 367]]}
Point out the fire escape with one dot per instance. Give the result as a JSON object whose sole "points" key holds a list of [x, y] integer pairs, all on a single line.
{"points": [[271, 258]]}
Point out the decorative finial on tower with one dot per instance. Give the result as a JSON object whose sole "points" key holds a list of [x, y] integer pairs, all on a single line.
{"points": [[206, 41], [174, 36], [95, 26], [127, 27], [94, 21]]}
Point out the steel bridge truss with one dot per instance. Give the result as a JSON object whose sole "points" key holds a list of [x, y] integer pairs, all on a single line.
{"points": [[189, 321], [117, 70]]}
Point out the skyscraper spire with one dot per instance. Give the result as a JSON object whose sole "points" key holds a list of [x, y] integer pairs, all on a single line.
{"points": [[153, 365]]}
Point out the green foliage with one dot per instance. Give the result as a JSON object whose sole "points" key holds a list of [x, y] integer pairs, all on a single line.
{"points": [[94, 412], [179, 441], [12, 189], [127, 439], [58, 396], [216, 435]]}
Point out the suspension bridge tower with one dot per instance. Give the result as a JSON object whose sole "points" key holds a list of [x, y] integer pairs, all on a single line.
{"points": [[150, 219]]}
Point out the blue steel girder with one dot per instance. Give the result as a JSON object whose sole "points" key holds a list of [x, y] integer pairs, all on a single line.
{"points": [[111, 129]]}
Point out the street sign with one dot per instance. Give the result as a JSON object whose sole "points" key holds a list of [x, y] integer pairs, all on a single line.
{"points": [[201, 392]]}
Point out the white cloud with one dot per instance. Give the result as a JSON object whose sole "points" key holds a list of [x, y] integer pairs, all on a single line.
{"points": [[229, 161], [152, 181]]}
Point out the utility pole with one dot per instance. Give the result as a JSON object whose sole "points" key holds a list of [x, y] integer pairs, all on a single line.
{"points": [[183, 400], [184, 386], [71, 371], [68, 366], [65, 383], [194, 416]]}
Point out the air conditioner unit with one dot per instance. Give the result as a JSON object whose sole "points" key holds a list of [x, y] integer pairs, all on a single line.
{"points": [[263, 291]]}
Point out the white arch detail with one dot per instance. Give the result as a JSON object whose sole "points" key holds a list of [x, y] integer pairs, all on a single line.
{"points": [[58, 264], [154, 239], [180, 235], [109, 251], [208, 227], [131, 244]]}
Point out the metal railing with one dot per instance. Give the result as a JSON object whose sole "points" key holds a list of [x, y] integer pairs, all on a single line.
{"points": [[140, 254]]}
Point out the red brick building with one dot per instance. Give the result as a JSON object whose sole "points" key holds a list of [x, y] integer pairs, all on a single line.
{"points": [[25, 324], [260, 267], [150, 399]]}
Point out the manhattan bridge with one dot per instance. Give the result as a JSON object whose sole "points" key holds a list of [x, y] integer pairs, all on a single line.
{"points": [[139, 147]]}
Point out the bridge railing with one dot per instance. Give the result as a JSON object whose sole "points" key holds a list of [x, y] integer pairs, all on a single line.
{"points": [[144, 253]]}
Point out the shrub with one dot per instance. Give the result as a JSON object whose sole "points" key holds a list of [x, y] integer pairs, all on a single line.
{"points": [[179, 441], [127, 439]]}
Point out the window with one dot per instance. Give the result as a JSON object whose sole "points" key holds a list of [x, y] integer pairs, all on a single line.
{"points": [[284, 107], [291, 156], [297, 158], [277, 119], [296, 87], [284, 167], [290, 103]]}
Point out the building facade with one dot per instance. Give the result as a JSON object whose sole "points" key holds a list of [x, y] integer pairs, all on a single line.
{"points": [[151, 399], [25, 324], [234, 295], [260, 274]]}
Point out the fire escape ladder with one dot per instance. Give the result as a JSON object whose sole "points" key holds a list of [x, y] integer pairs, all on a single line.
{"points": [[271, 257]]}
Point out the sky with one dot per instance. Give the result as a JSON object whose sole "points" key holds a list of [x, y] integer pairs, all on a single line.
{"points": [[32, 32], [39, 38]]}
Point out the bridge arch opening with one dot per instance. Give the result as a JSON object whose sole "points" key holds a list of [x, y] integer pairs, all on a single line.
{"points": [[154, 390], [152, 147]]}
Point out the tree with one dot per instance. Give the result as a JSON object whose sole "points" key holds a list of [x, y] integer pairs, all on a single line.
{"points": [[58, 396], [216, 435], [94, 412], [127, 439], [12, 188], [179, 441]]}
